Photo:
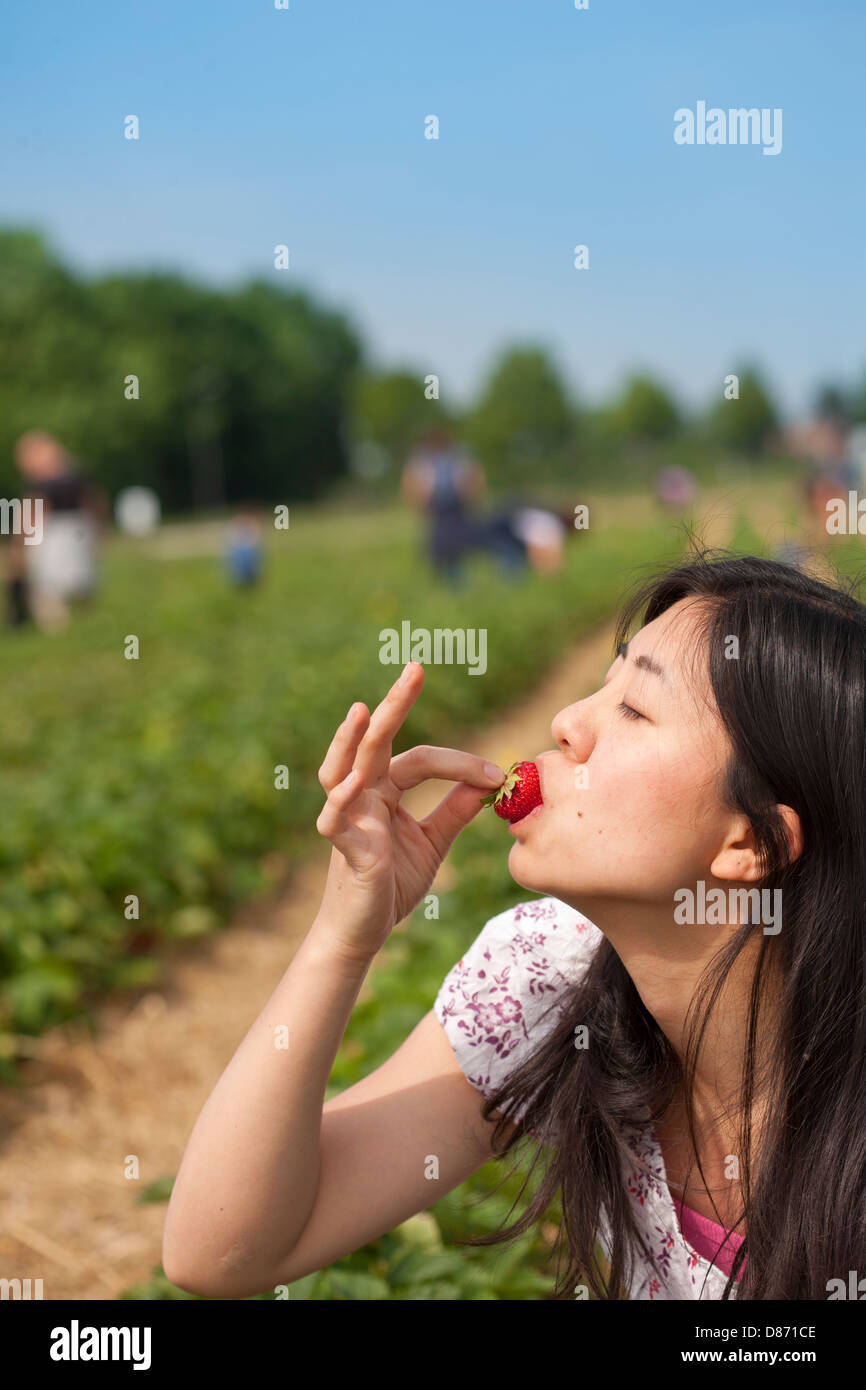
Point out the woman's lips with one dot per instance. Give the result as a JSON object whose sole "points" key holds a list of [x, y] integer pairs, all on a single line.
{"points": [[531, 815]]}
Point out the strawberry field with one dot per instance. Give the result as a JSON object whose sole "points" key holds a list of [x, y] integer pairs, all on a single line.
{"points": [[154, 779]]}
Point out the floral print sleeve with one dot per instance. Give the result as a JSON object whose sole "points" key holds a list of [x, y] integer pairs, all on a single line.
{"points": [[497, 1003], [507, 990]]}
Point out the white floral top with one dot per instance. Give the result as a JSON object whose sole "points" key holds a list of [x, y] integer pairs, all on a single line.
{"points": [[492, 1005]]}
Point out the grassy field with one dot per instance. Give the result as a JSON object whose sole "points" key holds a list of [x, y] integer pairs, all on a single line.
{"points": [[155, 777]]}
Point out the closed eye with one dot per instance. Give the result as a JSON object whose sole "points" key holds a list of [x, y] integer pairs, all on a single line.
{"points": [[629, 712]]}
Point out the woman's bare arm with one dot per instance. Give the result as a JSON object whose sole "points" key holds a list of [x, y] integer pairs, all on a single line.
{"points": [[275, 1184]]}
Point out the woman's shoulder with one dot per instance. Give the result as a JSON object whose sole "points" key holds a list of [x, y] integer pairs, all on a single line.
{"points": [[510, 985]]}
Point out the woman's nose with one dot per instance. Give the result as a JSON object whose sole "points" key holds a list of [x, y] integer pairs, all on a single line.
{"points": [[571, 728]]}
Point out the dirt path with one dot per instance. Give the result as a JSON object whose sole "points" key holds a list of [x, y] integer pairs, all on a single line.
{"points": [[69, 1213]]}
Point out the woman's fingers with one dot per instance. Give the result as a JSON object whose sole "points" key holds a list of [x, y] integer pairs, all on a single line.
{"points": [[341, 754], [449, 764], [452, 815], [331, 818], [474, 778], [373, 757]]}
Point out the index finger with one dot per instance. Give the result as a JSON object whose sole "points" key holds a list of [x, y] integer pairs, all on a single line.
{"points": [[419, 764], [373, 758]]}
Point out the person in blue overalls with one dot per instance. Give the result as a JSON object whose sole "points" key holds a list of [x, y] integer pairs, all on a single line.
{"points": [[442, 479]]}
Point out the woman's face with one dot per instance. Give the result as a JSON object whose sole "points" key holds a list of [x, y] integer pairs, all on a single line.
{"points": [[631, 810]]}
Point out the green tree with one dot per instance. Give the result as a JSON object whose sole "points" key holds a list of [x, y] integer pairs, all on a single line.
{"points": [[523, 423], [745, 422], [50, 346], [858, 403], [288, 398], [644, 411], [833, 403], [390, 409], [240, 394]]}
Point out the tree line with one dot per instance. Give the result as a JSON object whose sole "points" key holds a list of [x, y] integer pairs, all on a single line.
{"points": [[215, 396]]}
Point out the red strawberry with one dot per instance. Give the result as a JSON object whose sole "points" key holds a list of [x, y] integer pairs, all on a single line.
{"points": [[519, 794]]}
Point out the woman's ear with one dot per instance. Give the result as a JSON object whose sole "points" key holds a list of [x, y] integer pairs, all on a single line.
{"points": [[739, 859], [793, 831]]}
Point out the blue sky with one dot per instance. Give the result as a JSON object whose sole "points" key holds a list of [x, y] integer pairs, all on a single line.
{"points": [[306, 127]]}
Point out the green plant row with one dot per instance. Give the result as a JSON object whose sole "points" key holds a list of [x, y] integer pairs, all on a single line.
{"points": [[154, 778]]}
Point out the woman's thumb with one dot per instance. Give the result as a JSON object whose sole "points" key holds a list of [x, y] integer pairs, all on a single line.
{"points": [[454, 812]]}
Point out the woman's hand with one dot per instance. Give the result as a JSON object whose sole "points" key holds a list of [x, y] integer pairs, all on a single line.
{"points": [[383, 861]]}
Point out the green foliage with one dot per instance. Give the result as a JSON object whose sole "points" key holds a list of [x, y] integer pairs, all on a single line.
{"points": [[645, 411], [390, 409], [834, 403], [242, 393], [158, 1191], [745, 423], [259, 393], [155, 777], [523, 424], [857, 402]]}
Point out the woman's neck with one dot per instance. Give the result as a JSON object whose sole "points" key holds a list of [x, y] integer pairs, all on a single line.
{"points": [[666, 964]]}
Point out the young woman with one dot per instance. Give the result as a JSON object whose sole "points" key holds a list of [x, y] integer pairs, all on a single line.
{"points": [[697, 1089]]}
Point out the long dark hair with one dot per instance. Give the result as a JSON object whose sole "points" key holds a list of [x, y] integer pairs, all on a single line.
{"points": [[793, 705]]}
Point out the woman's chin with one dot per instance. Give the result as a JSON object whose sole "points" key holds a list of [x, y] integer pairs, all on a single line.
{"points": [[520, 868]]}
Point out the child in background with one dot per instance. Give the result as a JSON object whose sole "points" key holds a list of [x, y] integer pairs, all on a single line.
{"points": [[243, 550]]}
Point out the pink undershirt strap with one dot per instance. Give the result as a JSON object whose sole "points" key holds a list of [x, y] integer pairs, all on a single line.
{"points": [[706, 1236]]}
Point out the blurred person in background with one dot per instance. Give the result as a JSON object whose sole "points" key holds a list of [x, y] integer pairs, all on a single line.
{"points": [[523, 535], [831, 472], [543, 533], [243, 549], [675, 488], [15, 584], [441, 480], [45, 579]]}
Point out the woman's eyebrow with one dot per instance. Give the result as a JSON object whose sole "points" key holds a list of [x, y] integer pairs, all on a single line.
{"points": [[646, 663]]}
